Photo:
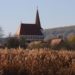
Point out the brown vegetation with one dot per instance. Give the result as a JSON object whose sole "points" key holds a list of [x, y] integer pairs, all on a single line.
{"points": [[37, 62]]}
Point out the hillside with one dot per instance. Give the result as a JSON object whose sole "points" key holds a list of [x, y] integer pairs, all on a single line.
{"points": [[59, 31]]}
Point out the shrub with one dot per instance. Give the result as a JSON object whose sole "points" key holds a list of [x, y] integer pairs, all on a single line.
{"points": [[38, 44], [71, 42], [66, 45], [56, 44], [12, 42], [22, 42]]}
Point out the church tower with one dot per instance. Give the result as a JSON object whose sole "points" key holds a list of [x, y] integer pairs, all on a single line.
{"points": [[38, 20]]}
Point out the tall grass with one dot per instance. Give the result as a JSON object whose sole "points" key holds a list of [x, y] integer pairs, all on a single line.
{"points": [[36, 62]]}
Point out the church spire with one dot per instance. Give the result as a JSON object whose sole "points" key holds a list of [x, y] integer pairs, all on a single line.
{"points": [[37, 19]]}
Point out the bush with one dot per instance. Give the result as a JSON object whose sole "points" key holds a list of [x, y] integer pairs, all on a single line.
{"points": [[56, 44], [71, 42], [13, 42], [66, 45], [22, 42], [38, 44]]}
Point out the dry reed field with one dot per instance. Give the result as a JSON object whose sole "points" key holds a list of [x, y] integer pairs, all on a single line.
{"points": [[37, 62]]}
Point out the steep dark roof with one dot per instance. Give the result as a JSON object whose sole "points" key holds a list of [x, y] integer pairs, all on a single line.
{"points": [[38, 19], [30, 29]]}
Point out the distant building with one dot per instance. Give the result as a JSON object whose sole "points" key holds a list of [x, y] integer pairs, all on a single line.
{"points": [[31, 32]]}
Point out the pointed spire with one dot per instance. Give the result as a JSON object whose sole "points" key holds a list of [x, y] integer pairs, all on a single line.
{"points": [[37, 18]]}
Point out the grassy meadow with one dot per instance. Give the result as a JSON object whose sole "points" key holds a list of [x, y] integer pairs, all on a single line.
{"points": [[37, 62]]}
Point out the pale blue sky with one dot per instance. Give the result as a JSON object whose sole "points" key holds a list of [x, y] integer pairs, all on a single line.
{"points": [[53, 13]]}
